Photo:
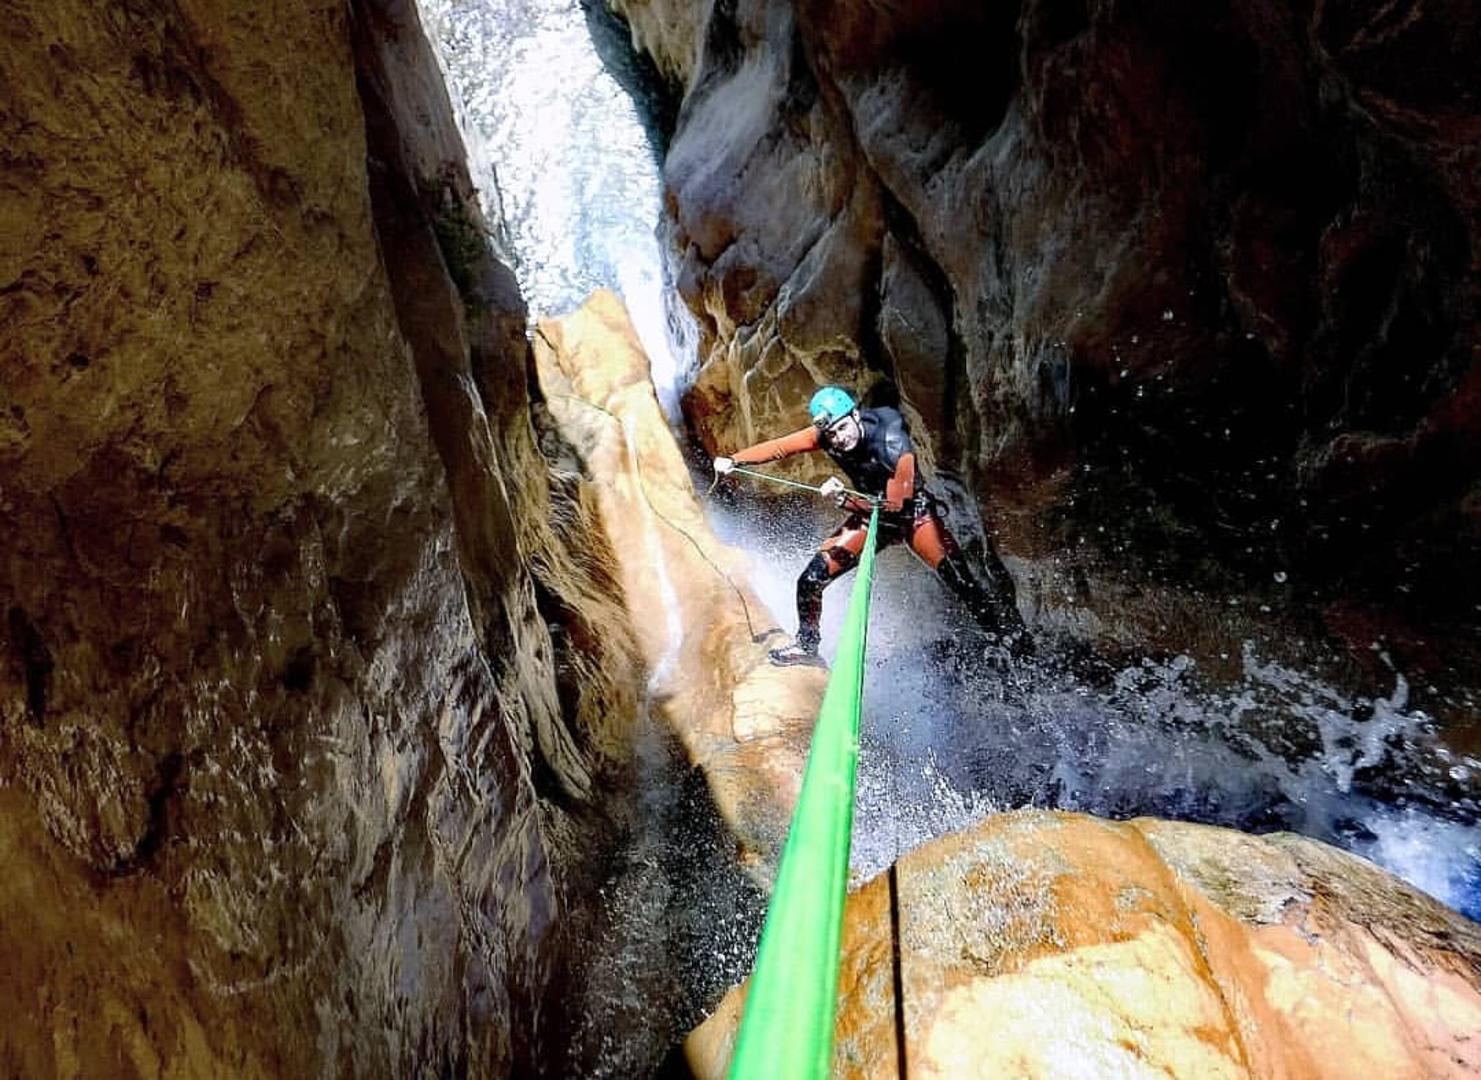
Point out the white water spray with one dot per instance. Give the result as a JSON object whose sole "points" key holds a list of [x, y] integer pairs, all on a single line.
{"points": [[563, 164]]}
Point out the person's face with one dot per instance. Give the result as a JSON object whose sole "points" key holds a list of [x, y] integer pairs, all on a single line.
{"points": [[844, 433]]}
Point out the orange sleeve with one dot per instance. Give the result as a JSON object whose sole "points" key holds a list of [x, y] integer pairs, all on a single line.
{"points": [[900, 487], [799, 442]]}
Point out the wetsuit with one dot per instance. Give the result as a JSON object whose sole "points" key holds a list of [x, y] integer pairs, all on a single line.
{"points": [[882, 463]]}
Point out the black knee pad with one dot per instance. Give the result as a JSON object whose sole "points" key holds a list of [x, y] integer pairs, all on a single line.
{"points": [[816, 574]]}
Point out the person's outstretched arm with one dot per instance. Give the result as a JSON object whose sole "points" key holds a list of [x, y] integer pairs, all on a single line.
{"points": [[799, 442]]}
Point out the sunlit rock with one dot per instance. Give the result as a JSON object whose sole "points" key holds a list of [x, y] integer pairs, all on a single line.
{"points": [[705, 635], [665, 30], [1058, 946]]}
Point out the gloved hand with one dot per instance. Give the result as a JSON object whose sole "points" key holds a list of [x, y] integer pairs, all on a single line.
{"points": [[831, 488], [723, 465]]}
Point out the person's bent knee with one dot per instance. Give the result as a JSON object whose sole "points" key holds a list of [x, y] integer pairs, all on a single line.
{"points": [[830, 563], [816, 574]]}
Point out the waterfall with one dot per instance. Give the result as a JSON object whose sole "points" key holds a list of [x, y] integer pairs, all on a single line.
{"points": [[946, 740], [564, 160], [565, 165], [565, 168]]}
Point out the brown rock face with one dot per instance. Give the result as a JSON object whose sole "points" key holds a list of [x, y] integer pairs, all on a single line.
{"points": [[310, 662], [1057, 946], [704, 634], [1194, 286]]}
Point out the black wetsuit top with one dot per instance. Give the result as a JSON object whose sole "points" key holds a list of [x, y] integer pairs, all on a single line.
{"points": [[883, 442]]}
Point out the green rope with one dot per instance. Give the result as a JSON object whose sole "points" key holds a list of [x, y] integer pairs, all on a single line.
{"points": [[816, 490], [786, 1032]]}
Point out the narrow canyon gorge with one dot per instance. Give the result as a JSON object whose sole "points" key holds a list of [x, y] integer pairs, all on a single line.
{"points": [[385, 684]]}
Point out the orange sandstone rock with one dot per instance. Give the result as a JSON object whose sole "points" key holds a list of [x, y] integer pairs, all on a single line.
{"points": [[1054, 945], [703, 633]]}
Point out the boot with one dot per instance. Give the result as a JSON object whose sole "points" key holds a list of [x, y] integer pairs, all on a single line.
{"points": [[995, 611], [797, 652], [803, 649]]}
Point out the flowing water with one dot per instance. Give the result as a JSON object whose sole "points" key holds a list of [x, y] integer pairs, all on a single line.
{"points": [[567, 168], [563, 158], [946, 738]]}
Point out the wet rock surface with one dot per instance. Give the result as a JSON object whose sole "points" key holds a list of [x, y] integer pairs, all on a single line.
{"points": [[742, 720], [315, 673], [1185, 296], [1057, 945]]}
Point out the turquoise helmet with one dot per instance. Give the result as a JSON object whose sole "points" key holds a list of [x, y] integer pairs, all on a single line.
{"points": [[829, 405]]}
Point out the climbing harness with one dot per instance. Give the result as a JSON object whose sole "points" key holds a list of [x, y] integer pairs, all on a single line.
{"points": [[786, 1031]]}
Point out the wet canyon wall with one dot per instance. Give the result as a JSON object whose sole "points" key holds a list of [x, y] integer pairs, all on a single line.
{"points": [[315, 667], [1178, 293]]}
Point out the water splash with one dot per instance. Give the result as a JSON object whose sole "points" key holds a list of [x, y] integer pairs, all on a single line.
{"points": [[946, 739], [677, 923], [1279, 750]]}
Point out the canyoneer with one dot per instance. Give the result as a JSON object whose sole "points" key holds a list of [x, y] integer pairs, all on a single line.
{"points": [[873, 448]]}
